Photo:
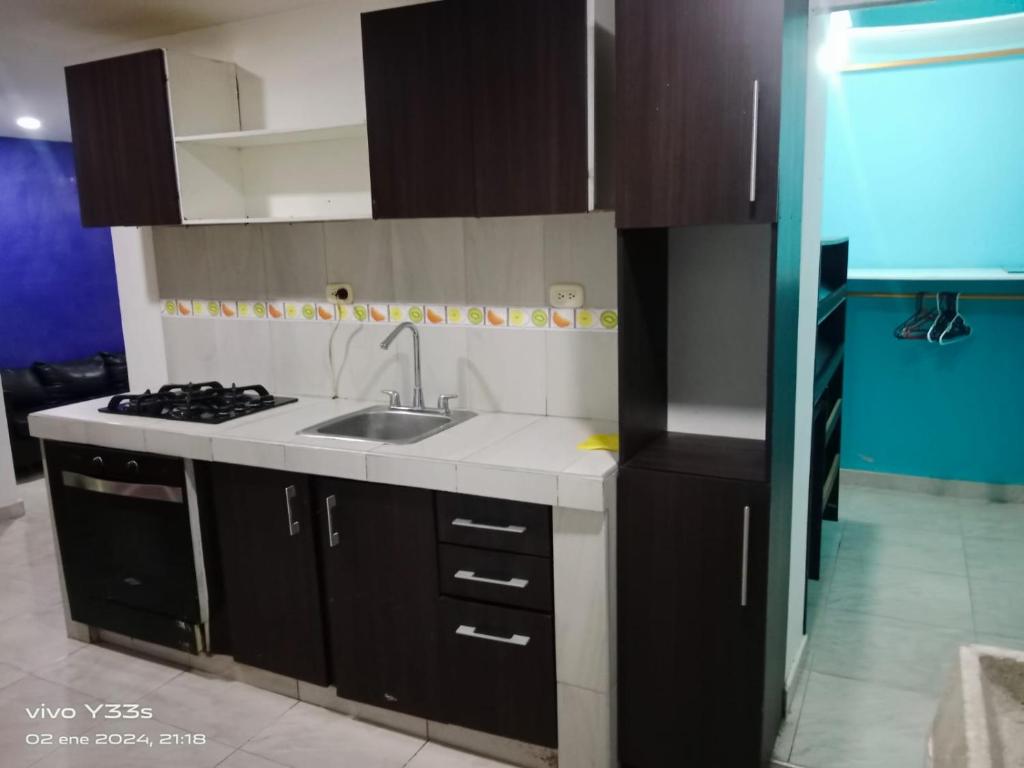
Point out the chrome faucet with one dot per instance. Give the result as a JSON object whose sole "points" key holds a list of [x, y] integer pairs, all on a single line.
{"points": [[394, 400], [417, 387]]}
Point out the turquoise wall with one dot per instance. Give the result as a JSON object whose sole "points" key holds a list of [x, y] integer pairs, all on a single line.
{"points": [[925, 168], [934, 10]]}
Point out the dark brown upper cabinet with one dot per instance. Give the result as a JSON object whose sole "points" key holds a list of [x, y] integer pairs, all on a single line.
{"points": [[477, 108], [698, 95], [123, 145], [529, 97], [419, 117]]}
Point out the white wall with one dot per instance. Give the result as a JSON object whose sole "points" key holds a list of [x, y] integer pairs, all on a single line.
{"points": [[10, 503], [814, 171], [299, 68], [718, 348], [140, 307]]}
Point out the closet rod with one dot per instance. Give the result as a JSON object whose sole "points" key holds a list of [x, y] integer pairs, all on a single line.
{"points": [[963, 296]]}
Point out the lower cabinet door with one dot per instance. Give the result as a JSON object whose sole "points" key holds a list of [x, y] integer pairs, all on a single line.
{"points": [[692, 564], [498, 671], [379, 557], [268, 556]]}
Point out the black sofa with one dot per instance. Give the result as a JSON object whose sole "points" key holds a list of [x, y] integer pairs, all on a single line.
{"points": [[47, 385]]}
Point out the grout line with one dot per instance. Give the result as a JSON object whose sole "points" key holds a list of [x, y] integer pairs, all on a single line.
{"points": [[420, 749]]}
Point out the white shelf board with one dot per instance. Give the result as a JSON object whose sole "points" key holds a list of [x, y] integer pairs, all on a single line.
{"points": [[934, 275], [270, 220], [269, 136]]}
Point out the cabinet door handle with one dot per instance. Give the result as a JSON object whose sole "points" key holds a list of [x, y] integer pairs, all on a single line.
{"points": [[746, 556], [462, 522], [753, 142], [467, 631], [471, 576], [332, 535], [293, 524]]}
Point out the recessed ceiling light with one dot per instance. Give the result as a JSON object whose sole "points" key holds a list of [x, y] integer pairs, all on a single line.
{"points": [[29, 123]]}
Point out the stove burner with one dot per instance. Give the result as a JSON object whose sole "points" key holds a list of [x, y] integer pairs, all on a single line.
{"points": [[208, 402]]}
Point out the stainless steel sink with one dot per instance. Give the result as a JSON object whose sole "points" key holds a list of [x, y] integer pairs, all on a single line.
{"points": [[382, 424]]}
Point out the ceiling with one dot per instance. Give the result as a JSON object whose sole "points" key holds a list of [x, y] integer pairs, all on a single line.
{"points": [[38, 37]]}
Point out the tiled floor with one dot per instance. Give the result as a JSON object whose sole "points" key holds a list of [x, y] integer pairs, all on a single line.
{"points": [[906, 579], [245, 727]]}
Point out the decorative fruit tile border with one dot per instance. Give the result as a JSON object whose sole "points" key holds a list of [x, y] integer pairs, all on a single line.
{"points": [[469, 316]]}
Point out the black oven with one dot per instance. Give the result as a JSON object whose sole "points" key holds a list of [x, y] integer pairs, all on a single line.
{"points": [[126, 542]]}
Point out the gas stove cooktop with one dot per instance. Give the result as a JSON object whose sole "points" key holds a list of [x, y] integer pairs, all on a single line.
{"points": [[208, 402]]}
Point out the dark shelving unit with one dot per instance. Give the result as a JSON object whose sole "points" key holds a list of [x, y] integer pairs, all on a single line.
{"points": [[826, 434]]}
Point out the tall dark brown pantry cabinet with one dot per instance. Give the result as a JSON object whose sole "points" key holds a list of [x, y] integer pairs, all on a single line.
{"points": [[709, 175]]}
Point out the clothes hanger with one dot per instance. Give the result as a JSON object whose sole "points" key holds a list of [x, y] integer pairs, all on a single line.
{"points": [[917, 325], [957, 330], [942, 320]]}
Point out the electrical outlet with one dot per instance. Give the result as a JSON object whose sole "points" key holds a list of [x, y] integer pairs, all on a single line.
{"points": [[566, 295], [339, 293]]}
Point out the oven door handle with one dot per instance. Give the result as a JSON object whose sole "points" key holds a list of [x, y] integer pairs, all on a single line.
{"points": [[170, 493]]}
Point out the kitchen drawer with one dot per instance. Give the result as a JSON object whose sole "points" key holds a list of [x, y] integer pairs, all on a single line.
{"points": [[498, 671], [114, 464], [511, 526], [522, 581]]}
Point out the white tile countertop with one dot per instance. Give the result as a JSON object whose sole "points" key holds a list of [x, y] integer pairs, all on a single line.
{"points": [[501, 455]]}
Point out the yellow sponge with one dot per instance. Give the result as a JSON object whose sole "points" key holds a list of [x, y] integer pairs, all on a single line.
{"points": [[600, 443]]}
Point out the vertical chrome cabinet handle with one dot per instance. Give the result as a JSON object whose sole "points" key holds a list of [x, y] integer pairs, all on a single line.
{"points": [[753, 142], [332, 536], [746, 556], [293, 524]]}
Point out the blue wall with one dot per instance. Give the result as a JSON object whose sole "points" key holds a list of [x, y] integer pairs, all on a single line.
{"points": [[58, 292], [925, 168]]}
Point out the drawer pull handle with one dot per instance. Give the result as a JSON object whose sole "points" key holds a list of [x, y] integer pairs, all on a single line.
{"points": [[293, 524], [467, 631], [471, 576], [462, 522]]}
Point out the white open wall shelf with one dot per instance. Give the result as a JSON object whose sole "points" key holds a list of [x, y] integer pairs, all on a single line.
{"points": [[229, 175]]}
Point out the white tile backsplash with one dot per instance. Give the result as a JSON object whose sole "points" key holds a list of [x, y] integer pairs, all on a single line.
{"points": [[494, 261], [505, 261], [243, 351], [361, 368], [582, 249], [582, 374], [428, 259], [359, 253], [191, 348], [300, 362], [295, 260], [505, 371]]}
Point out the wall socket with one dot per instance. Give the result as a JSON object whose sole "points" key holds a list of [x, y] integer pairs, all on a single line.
{"points": [[339, 293], [566, 295]]}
